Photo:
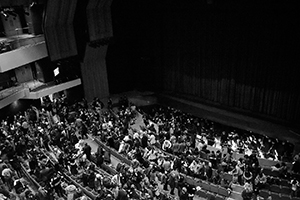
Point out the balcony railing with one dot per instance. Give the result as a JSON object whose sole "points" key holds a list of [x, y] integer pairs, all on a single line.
{"points": [[10, 91], [22, 49], [19, 41], [35, 90]]}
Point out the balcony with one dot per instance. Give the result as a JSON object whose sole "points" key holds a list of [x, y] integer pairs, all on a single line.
{"points": [[10, 95], [21, 49], [51, 88], [34, 90]]}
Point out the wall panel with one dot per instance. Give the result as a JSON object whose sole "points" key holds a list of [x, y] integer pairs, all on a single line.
{"points": [[94, 73], [99, 19], [59, 30]]}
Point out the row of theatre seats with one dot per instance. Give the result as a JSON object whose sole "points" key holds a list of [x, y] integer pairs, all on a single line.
{"points": [[106, 171], [87, 190], [212, 191], [275, 196], [68, 177], [71, 179], [279, 187], [207, 188]]}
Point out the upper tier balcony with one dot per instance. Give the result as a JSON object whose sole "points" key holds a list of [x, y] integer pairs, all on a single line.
{"points": [[34, 90], [16, 51]]}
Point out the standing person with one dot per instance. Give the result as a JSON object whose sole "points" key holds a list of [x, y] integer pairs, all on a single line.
{"points": [[183, 194], [295, 187], [247, 193], [173, 180], [7, 175], [109, 104], [55, 183], [120, 194], [260, 181], [116, 179], [87, 149], [165, 180]]}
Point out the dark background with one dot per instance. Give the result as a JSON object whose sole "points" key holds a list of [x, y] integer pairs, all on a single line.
{"points": [[240, 55]]}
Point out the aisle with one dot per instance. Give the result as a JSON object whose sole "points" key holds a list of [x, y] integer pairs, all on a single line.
{"points": [[114, 161], [94, 145]]}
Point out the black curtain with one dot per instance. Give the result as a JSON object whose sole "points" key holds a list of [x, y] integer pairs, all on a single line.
{"points": [[235, 54]]}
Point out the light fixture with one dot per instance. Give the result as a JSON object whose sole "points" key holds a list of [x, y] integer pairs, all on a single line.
{"points": [[4, 14], [33, 4]]}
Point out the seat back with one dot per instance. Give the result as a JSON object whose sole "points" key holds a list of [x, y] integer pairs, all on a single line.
{"points": [[214, 188], [223, 191], [205, 186], [275, 196], [275, 188], [201, 193], [285, 190], [210, 196], [264, 193], [285, 197], [227, 177], [219, 197]]}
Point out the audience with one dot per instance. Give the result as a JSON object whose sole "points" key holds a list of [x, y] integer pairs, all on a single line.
{"points": [[167, 144]]}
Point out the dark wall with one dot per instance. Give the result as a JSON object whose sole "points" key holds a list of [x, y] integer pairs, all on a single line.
{"points": [[130, 56], [19, 106], [236, 54]]}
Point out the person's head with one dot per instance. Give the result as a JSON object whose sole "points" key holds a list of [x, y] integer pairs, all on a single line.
{"points": [[99, 177], [294, 181]]}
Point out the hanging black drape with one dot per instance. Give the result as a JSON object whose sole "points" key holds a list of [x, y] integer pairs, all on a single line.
{"points": [[237, 56]]}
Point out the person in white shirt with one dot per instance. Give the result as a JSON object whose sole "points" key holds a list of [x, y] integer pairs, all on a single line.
{"points": [[152, 139], [166, 145], [136, 135], [122, 147], [295, 187], [116, 179], [193, 166]]}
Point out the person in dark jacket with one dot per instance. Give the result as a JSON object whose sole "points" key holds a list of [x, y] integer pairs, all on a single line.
{"points": [[183, 194], [55, 183], [173, 180], [99, 160], [87, 151], [120, 194]]}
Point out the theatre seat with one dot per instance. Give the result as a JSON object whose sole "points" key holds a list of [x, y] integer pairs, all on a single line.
{"points": [[201, 193], [214, 188], [275, 188], [205, 186], [285, 197], [275, 196], [219, 197], [285, 183], [227, 177], [264, 193], [203, 155], [223, 191], [285, 190], [269, 172], [210, 196]]}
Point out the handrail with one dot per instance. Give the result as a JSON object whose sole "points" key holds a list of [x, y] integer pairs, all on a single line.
{"points": [[111, 150], [32, 180], [54, 161], [119, 156]]}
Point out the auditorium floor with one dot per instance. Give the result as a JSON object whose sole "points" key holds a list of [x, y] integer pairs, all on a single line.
{"points": [[215, 114]]}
